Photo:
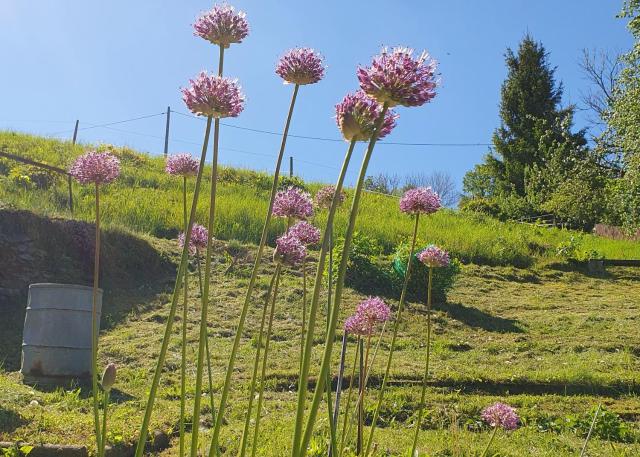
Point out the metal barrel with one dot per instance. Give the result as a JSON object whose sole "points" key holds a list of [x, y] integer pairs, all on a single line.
{"points": [[56, 343]]}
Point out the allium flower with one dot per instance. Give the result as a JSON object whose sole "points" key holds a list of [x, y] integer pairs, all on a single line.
{"points": [[420, 200], [398, 78], [368, 315], [300, 66], [222, 26], [434, 257], [108, 377], [289, 250], [501, 415], [210, 95], [293, 202], [324, 196], [182, 165], [305, 232], [356, 116], [374, 309], [95, 167], [198, 240]]}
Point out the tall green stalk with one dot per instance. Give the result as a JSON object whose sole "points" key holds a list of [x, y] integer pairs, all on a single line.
{"points": [[142, 438], [183, 367], [207, 278], [254, 376], [396, 326], [105, 400], [95, 328], [426, 369], [265, 357], [315, 300], [349, 395], [493, 435], [250, 286], [335, 310]]}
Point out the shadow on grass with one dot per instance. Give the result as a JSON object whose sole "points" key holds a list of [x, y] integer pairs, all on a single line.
{"points": [[10, 420], [476, 318]]}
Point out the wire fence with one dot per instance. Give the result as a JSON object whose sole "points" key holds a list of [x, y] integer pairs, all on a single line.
{"points": [[165, 137]]}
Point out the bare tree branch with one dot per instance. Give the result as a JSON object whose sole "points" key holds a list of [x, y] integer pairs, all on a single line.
{"points": [[601, 70]]}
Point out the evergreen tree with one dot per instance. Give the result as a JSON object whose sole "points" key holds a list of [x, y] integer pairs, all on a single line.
{"points": [[531, 117]]}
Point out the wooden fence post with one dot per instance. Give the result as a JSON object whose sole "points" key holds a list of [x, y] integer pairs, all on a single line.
{"points": [[166, 132], [70, 182], [291, 166], [75, 132]]}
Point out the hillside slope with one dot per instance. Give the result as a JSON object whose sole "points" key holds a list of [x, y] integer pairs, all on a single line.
{"points": [[145, 199]]}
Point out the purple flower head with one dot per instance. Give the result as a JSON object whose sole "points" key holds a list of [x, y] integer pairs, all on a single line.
{"points": [[368, 315], [199, 238], [501, 415], [182, 165], [398, 78], [215, 96], [95, 167], [420, 200], [374, 309], [434, 257], [300, 66], [324, 197], [289, 250], [305, 232], [357, 114], [293, 202], [222, 25]]}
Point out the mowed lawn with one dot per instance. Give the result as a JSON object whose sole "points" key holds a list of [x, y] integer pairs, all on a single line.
{"points": [[552, 342]]}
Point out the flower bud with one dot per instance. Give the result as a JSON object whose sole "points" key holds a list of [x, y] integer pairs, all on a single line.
{"points": [[109, 377]]}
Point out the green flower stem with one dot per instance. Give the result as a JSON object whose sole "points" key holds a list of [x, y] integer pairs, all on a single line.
{"points": [[332, 425], [335, 310], [104, 422], [343, 353], [263, 372], [205, 289], [254, 376], [426, 369], [360, 394], [183, 367], [313, 310], [396, 326], [208, 354], [367, 373], [95, 327], [593, 424], [347, 407], [252, 280], [304, 308], [142, 438], [493, 435]]}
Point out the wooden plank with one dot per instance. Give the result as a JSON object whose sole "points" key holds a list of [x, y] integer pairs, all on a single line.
{"points": [[32, 162], [622, 263]]}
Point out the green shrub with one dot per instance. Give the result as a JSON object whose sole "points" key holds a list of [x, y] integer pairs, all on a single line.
{"points": [[32, 176], [608, 426], [480, 205], [443, 278]]}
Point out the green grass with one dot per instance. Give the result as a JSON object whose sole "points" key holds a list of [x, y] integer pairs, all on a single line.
{"points": [[553, 343], [147, 200]]}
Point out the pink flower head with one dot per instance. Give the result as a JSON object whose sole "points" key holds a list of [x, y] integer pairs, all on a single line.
{"points": [[398, 78], [95, 167], [289, 250], [434, 257], [293, 202], [374, 309], [182, 165], [199, 238], [420, 200], [324, 196], [215, 96], [222, 26], [305, 232], [368, 315], [501, 415], [300, 66], [357, 114]]}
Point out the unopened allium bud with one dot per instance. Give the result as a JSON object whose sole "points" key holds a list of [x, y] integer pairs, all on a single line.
{"points": [[109, 377]]}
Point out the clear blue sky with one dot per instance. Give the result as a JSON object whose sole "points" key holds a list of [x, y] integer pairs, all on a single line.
{"points": [[101, 61]]}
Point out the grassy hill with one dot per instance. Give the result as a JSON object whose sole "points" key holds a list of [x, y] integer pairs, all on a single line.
{"points": [[550, 339], [145, 199]]}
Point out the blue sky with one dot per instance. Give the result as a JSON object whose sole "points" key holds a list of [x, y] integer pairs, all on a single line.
{"points": [[108, 61]]}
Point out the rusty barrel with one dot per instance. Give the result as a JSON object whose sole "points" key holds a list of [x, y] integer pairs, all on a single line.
{"points": [[56, 342]]}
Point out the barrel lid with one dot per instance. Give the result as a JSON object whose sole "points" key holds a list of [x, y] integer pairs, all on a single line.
{"points": [[50, 285]]}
